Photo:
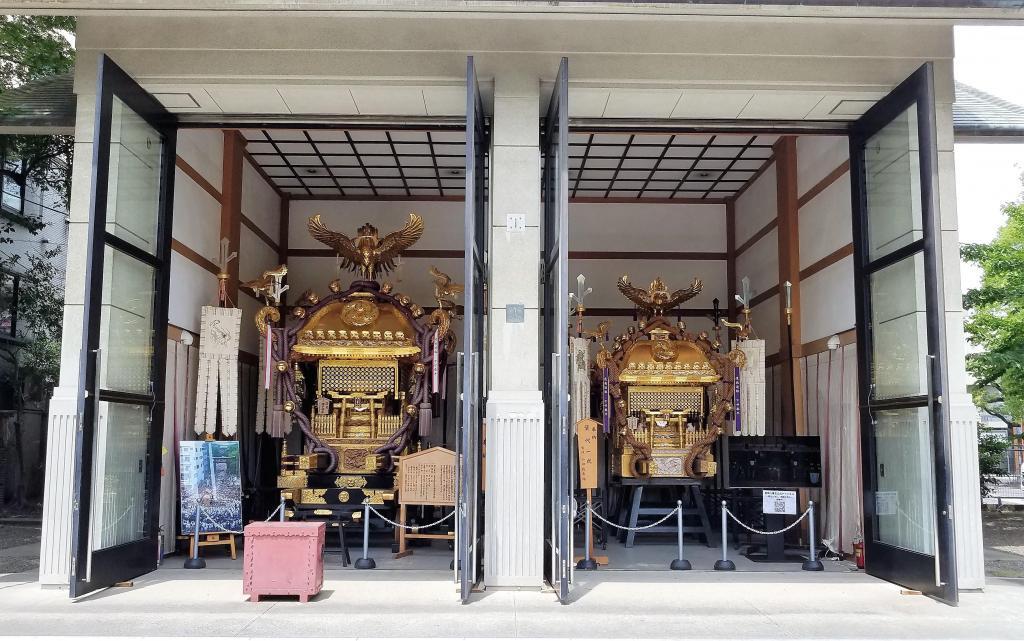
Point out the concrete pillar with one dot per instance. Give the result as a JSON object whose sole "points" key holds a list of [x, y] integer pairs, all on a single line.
{"points": [[515, 426], [55, 546], [963, 415]]}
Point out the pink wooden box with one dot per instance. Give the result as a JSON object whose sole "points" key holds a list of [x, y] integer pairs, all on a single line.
{"points": [[283, 558]]}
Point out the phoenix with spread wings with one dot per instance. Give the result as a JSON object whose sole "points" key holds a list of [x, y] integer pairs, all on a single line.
{"points": [[368, 254], [445, 289], [656, 299]]}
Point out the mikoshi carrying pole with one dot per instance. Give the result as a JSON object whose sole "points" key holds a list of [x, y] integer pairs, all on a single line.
{"points": [[724, 563], [680, 562]]}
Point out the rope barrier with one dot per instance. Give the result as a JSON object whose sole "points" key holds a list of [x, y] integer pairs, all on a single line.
{"points": [[409, 527], [627, 528], [276, 510], [772, 533]]}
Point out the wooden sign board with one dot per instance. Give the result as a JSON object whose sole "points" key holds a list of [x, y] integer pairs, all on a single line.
{"points": [[586, 442], [427, 478]]}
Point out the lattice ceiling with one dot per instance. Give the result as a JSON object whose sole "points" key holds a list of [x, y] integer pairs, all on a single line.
{"points": [[378, 163], [361, 163], [656, 165]]}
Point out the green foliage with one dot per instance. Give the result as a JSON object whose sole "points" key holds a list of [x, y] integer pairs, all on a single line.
{"points": [[991, 455], [995, 320], [33, 47]]}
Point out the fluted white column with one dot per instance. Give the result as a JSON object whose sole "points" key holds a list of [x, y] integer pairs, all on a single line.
{"points": [[515, 428]]}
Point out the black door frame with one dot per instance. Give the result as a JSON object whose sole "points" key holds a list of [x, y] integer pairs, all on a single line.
{"points": [[933, 575], [94, 570], [559, 473], [471, 362]]}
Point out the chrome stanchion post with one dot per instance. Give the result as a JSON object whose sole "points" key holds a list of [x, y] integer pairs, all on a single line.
{"points": [[724, 563], [366, 563], [587, 563], [280, 510], [812, 564], [194, 562], [679, 563]]}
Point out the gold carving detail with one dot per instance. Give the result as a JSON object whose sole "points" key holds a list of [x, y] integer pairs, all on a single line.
{"points": [[359, 313], [350, 482]]}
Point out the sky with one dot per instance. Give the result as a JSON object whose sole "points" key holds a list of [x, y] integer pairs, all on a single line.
{"points": [[987, 176]]}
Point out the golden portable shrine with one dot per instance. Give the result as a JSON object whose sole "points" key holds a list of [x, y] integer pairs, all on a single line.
{"points": [[670, 391], [358, 371]]}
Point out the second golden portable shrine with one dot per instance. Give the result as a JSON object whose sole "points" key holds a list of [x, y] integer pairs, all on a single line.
{"points": [[670, 389]]}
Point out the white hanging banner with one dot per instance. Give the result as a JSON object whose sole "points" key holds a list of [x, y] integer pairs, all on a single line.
{"points": [[218, 370], [751, 410]]}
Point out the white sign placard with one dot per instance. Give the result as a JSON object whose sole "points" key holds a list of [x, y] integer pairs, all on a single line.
{"points": [[778, 501], [886, 503]]}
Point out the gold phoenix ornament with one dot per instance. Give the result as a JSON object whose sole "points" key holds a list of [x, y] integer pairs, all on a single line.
{"points": [[368, 254], [656, 299]]}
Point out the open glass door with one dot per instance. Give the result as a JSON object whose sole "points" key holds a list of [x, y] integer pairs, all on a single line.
{"points": [[908, 527], [115, 510], [555, 185], [471, 397]]}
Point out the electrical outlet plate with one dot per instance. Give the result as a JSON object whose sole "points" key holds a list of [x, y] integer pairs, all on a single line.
{"points": [[515, 313], [515, 222]]}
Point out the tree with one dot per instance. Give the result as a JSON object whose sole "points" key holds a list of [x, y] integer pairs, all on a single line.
{"points": [[33, 47], [32, 359], [995, 320], [991, 460]]}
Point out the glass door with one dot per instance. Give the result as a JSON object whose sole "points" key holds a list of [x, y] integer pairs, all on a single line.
{"points": [[555, 185], [115, 510], [908, 527], [471, 369]]}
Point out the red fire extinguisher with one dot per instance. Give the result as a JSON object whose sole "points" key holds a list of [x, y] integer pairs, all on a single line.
{"points": [[858, 553]]}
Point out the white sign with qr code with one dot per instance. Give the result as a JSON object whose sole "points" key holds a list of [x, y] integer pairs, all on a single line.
{"points": [[778, 501]]}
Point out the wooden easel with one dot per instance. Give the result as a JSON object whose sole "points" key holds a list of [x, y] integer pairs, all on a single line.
{"points": [[213, 538], [586, 443]]}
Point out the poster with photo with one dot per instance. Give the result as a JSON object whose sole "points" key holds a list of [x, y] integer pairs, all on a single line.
{"points": [[211, 475]]}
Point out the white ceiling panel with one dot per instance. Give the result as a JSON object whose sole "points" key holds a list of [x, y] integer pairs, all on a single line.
{"points": [[390, 101], [641, 103], [445, 101], [844, 106], [711, 104], [248, 99], [183, 98], [318, 99], [587, 103], [781, 105]]}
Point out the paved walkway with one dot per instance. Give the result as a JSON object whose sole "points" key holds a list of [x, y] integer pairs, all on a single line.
{"points": [[608, 604]]}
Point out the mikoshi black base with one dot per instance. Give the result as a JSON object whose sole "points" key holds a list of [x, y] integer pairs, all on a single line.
{"points": [[725, 565], [365, 564], [812, 566], [680, 564], [195, 563], [586, 564]]}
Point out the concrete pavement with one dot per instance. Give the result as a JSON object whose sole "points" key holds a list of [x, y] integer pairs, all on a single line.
{"points": [[173, 602]]}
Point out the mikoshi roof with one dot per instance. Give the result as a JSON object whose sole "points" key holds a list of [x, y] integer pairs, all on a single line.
{"points": [[42, 106], [978, 113]]}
